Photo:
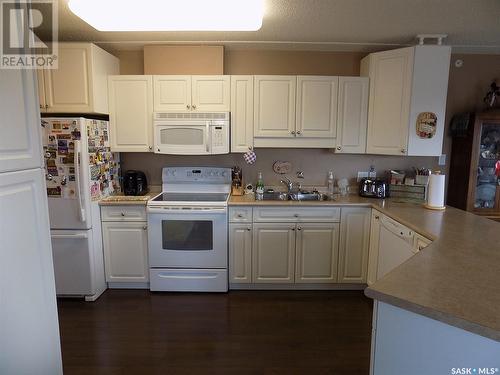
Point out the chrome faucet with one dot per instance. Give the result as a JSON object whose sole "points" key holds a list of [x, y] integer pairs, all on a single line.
{"points": [[288, 183]]}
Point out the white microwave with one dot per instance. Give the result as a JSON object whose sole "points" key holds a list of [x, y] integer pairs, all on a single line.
{"points": [[191, 133]]}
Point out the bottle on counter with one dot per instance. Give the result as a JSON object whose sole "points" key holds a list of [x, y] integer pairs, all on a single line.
{"points": [[259, 187], [330, 183]]}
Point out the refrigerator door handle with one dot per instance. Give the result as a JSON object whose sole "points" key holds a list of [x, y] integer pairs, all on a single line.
{"points": [[81, 209], [79, 235]]}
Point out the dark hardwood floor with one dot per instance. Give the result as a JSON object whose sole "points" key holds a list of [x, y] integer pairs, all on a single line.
{"points": [[242, 332]]}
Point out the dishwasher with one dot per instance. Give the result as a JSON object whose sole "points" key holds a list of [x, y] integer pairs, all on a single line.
{"points": [[395, 245]]}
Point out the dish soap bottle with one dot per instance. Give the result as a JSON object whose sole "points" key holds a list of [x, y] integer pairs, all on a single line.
{"points": [[259, 188], [330, 183]]}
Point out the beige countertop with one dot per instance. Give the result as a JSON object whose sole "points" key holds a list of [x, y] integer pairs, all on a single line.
{"points": [[454, 280], [120, 199]]}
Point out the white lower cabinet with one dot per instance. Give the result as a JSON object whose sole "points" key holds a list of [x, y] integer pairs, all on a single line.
{"points": [[273, 253], [354, 244], [125, 251], [240, 253], [316, 252]]}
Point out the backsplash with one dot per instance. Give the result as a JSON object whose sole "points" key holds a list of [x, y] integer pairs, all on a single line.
{"points": [[315, 163]]}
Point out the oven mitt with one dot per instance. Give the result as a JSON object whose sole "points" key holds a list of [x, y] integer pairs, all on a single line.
{"points": [[250, 157]]}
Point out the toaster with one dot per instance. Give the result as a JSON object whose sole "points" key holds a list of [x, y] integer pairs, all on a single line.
{"points": [[374, 188], [135, 183]]}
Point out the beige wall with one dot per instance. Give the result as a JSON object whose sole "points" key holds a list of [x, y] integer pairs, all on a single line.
{"points": [[131, 62], [170, 59], [467, 87]]}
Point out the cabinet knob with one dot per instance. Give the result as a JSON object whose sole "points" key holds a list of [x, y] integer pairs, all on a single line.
{"points": [[123, 213], [46, 106], [293, 229], [403, 151], [193, 106], [299, 228], [292, 132], [145, 227], [249, 229], [339, 148], [188, 106], [150, 148], [296, 215], [158, 149], [239, 215], [299, 132], [377, 217], [41, 106]]}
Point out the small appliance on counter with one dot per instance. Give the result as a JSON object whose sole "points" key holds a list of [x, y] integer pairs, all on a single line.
{"points": [[237, 181], [135, 183], [374, 188]]}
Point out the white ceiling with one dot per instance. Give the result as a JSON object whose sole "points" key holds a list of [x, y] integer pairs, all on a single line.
{"points": [[343, 25]]}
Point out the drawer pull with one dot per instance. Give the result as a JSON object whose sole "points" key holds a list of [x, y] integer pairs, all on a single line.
{"points": [[296, 215], [145, 227], [239, 215], [249, 229], [123, 213], [299, 228]]}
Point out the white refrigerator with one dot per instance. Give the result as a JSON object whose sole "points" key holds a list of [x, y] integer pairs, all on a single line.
{"points": [[29, 331], [80, 170]]}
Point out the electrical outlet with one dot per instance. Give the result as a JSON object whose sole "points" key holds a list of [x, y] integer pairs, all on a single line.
{"points": [[362, 175], [442, 159]]}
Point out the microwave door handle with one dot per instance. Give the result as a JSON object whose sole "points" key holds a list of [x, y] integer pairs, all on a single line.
{"points": [[209, 136]]}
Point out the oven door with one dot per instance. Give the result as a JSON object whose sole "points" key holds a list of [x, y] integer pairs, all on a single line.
{"points": [[187, 238], [182, 139]]}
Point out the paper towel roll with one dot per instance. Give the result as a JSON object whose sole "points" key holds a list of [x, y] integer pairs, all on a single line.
{"points": [[435, 194]]}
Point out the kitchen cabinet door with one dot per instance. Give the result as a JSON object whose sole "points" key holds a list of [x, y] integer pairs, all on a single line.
{"points": [[20, 145], [125, 251], [317, 106], [390, 75], [240, 253], [241, 113], [317, 253], [211, 93], [131, 113], [354, 244], [352, 115], [68, 88], [172, 93], [274, 106], [273, 253]]}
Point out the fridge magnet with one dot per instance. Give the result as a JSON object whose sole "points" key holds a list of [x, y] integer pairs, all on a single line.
{"points": [[62, 151], [426, 125], [76, 135], [53, 171], [52, 140], [51, 162], [54, 191], [71, 170], [94, 191], [69, 159], [63, 137], [65, 126], [71, 145], [94, 172], [71, 177], [52, 154], [68, 192], [56, 126], [62, 143]]}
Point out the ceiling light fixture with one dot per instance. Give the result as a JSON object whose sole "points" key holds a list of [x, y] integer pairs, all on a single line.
{"points": [[170, 15]]}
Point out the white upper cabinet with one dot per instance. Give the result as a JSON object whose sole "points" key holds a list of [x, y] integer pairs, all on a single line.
{"points": [[20, 145], [408, 88], [274, 107], [172, 93], [241, 113], [191, 93], [79, 84], [131, 113], [352, 115], [317, 106], [211, 93]]}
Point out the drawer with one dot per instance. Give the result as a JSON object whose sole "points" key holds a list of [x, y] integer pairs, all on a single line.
{"points": [[240, 214], [123, 213], [293, 214]]}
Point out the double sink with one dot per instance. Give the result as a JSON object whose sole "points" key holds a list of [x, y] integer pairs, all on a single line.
{"points": [[271, 195]]}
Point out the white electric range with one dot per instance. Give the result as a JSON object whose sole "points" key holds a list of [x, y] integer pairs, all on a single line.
{"points": [[187, 230]]}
